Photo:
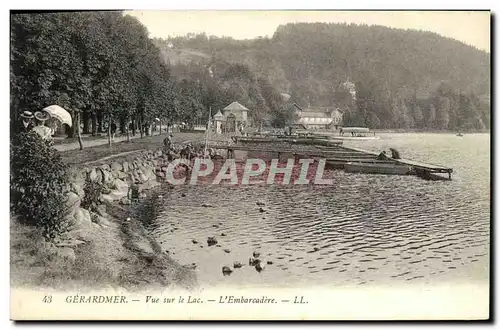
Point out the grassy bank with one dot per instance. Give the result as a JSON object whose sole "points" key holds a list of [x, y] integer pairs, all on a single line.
{"points": [[118, 255], [148, 142]]}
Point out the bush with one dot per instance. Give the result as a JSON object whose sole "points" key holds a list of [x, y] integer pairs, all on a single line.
{"points": [[38, 181], [92, 191]]}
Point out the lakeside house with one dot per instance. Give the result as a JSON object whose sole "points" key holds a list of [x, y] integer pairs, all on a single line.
{"points": [[328, 118], [231, 118]]}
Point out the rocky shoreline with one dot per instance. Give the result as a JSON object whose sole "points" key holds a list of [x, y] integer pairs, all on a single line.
{"points": [[106, 232]]}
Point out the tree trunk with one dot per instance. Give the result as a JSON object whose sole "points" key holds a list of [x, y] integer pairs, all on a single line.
{"points": [[80, 142], [109, 130], [94, 124], [160, 126], [133, 127], [122, 125], [128, 133], [100, 127], [71, 130], [86, 120], [141, 128]]}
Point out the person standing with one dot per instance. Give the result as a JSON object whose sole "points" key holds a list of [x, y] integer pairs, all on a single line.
{"points": [[42, 130], [26, 123], [113, 130]]}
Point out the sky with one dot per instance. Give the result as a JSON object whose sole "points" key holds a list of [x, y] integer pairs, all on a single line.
{"points": [[472, 28]]}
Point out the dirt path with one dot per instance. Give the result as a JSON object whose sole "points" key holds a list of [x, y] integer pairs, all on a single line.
{"points": [[97, 150]]}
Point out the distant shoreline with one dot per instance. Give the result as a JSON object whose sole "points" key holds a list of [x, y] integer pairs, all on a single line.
{"points": [[376, 130]]}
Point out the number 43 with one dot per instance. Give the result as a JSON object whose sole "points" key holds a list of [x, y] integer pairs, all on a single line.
{"points": [[47, 299]]}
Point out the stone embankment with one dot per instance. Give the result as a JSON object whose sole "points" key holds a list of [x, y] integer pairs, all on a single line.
{"points": [[94, 214], [115, 179]]}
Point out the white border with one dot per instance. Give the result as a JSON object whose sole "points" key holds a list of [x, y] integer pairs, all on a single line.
{"points": [[186, 4]]}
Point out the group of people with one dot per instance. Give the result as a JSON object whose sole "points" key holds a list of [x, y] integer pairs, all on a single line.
{"points": [[394, 155], [187, 151], [35, 122]]}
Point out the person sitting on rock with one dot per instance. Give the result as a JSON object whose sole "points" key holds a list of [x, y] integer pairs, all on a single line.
{"points": [[133, 190], [187, 151], [395, 153], [382, 156], [167, 143]]}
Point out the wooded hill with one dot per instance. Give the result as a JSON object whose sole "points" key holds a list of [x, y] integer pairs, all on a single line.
{"points": [[104, 66], [402, 78]]}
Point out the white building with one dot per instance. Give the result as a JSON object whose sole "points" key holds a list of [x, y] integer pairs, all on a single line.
{"points": [[319, 117], [231, 118]]}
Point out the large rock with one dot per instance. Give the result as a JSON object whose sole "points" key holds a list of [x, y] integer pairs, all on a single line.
{"points": [[125, 166], [125, 201], [149, 184], [120, 185], [143, 177], [93, 175], [122, 175], [105, 167], [116, 166], [73, 202], [114, 196], [82, 216], [106, 176], [77, 187], [102, 221], [151, 175]]}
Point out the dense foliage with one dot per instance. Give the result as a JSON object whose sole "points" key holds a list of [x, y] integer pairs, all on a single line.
{"points": [[38, 181], [92, 193], [105, 65], [402, 78], [100, 63]]}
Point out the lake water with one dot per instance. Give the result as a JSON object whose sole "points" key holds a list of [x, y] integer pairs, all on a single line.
{"points": [[364, 229]]}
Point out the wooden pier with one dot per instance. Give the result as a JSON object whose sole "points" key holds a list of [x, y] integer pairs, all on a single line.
{"points": [[337, 156], [424, 170]]}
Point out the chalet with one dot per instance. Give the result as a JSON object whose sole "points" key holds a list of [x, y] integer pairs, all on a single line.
{"points": [[319, 117]]}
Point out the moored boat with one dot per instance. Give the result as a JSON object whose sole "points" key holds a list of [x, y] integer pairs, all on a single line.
{"points": [[377, 168], [356, 133], [356, 138]]}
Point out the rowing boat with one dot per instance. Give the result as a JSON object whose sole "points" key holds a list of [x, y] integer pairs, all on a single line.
{"points": [[377, 168]]}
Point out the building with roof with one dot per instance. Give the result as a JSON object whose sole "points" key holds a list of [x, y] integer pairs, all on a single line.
{"points": [[231, 118], [319, 117]]}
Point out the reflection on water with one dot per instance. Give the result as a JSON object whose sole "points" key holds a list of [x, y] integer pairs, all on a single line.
{"points": [[364, 229]]}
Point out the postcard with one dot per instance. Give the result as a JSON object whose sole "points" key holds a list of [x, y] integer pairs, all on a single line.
{"points": [[250, 165]]}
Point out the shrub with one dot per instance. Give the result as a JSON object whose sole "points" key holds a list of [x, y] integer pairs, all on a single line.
{"points": [[38, 181], [92, 191]]}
